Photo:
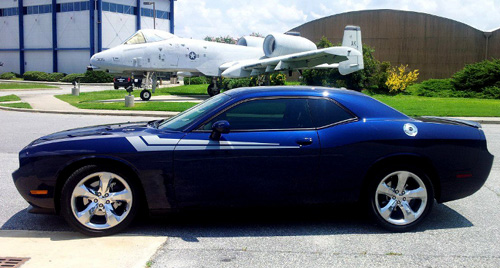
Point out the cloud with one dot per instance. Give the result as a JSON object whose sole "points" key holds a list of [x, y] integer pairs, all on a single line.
{"points": [[199, 18]]}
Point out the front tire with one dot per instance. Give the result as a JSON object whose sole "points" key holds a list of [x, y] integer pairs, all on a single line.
{"points": [[99, 201], [145, 95], [400, 198]]}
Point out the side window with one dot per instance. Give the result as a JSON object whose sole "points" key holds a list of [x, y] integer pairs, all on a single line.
{"points": [[325, 112], [266, 114]]}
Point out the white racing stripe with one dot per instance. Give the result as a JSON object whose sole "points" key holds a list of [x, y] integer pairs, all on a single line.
{"points": [[212, 142], [141, 146], [155, 140], [155, 143]]}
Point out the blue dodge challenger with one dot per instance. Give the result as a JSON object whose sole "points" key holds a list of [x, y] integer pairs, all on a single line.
{"points": [[256, 147]]}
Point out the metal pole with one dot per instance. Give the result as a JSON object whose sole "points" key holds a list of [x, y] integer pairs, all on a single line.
{"points": [[154, 16]]}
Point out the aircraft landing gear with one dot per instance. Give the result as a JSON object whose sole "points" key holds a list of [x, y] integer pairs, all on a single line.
{"points": [[214, 87], [145, 95]]}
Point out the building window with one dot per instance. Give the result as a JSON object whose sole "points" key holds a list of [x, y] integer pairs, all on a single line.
{"points": [[75, 6], [105, 6], [5, 12]]}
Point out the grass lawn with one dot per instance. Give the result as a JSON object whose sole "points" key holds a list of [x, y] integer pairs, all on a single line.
{"points": [[23, 105], [87, 100], [23, 86], [418, 106], [11, 97]]}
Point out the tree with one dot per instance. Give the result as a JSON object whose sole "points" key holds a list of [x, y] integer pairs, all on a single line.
{"points": [[221, 39], [358, 80]]}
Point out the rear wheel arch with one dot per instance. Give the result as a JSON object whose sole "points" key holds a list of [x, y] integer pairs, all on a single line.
{"points": [[67, 171], [410, 160]]}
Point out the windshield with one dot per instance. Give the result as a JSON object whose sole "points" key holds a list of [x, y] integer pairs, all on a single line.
{"points": [[180, 121], [148, 36]]}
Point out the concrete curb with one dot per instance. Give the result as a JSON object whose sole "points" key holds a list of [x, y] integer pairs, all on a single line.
{"points": [[481, 120]]}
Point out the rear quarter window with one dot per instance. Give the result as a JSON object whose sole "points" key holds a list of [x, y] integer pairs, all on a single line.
{"points": [[326, 112]]}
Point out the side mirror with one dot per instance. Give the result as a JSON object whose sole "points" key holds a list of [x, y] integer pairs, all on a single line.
{"points": [[219, 128]]}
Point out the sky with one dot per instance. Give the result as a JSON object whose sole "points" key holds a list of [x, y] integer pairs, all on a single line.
{"points": [[200, 18]]}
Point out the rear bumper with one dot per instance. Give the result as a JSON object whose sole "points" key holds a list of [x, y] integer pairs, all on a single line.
{"points": [[457, 186]]}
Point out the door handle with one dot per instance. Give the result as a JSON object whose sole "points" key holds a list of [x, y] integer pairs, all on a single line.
{"points": [[304, 141]]}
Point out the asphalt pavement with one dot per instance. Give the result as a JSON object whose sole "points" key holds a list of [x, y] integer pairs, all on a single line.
{"points": [[462, 233]]}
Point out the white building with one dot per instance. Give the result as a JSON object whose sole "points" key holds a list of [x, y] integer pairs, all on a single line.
{"points": [[61, 35]]}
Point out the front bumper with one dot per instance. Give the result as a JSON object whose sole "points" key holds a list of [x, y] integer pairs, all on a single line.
{"points": [[25, 182]]}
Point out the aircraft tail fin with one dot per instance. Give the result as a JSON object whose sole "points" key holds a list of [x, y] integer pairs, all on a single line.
{"points": [[352, 38]]}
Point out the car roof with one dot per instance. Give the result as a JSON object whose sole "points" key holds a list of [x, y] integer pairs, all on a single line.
{"points": [[255, 92], [360, 104]]}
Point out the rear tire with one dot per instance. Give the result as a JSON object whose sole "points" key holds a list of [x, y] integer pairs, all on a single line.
{"points": [[99, 200], [400, 197], [117, 87], [211, 91]]}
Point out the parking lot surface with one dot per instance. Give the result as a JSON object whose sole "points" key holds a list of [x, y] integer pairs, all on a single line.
{"points": [[462, 233]]}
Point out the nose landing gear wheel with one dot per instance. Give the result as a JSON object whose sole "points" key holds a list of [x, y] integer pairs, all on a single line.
{"points": [[145, 95], [212, 91]]}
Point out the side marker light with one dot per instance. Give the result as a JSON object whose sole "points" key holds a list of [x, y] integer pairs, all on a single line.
{"points": [[39, 192]]}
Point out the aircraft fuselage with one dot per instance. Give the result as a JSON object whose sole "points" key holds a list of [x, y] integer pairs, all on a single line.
{"points": [[173, 55]]}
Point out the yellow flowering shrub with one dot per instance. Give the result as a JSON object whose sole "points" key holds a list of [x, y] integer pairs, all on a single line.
{"points": [[399, 78]]}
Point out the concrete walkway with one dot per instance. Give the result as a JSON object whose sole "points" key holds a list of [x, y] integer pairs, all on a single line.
{"points": [[44, 101], [69, 249]]}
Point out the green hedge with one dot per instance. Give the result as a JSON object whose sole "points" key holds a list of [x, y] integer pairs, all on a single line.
{"points": [[478, 80], [89, 77], [71, 77], [196, 80], [97, 77], [36, 76], [8, 76], [55, 77], [478, 76]]}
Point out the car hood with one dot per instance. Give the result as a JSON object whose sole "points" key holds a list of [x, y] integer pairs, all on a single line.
{"points": [[92, 131]]}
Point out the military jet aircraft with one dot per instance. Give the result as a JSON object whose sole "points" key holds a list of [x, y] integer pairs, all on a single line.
{"points": [[150, 51]]}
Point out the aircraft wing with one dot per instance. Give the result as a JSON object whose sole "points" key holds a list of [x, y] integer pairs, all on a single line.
{"points": [[347, 59]]}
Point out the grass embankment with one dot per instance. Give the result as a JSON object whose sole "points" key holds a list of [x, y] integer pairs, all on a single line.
{"points": [[23, 105], [89, 100], [24, 86], [419, 106], [11, 97]]}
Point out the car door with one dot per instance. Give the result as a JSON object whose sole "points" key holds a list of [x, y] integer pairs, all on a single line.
{"points": [[341, 154], [270, 156]]}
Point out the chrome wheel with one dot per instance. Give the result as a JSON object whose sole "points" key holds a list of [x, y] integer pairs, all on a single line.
{"points": [[101, 200], [401, 198]]}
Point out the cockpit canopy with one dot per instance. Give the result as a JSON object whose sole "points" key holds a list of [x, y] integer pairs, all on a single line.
{"points": [[148, 36]]}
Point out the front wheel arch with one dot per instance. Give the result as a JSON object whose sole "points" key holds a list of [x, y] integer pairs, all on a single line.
{"points": [[67, 171]]}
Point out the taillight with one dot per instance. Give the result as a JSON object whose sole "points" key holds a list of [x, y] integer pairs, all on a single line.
{"points": [[128, 79], [114, 79]]}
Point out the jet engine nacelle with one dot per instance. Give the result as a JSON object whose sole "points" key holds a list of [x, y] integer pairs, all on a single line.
{"points": [[283, 44], [251, 41]]}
